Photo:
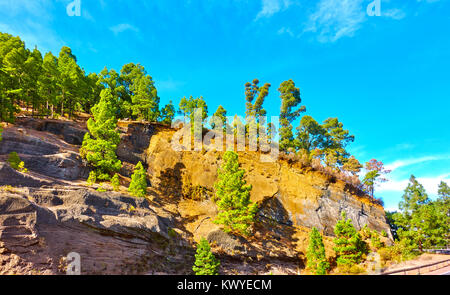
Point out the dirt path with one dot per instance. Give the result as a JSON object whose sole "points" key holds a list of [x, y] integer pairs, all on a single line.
{"points": [[422, 260]]}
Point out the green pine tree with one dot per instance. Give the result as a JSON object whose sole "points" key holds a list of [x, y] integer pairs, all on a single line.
{"points": [[421, 222], [138, 185], [100, 144], [349, 247], [16, 163], [205, 261], [236, 211], [115, 182], [167, 113], [290, 99], [316, 258]]}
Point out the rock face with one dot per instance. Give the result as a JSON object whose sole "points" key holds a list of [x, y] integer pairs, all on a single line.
{"points": [[133, 145], [113, 233], [51, 211], [287, 193], [9, 176], [43, 152]]}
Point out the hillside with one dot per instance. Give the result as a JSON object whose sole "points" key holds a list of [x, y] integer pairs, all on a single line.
{"points": [[51, 210]]}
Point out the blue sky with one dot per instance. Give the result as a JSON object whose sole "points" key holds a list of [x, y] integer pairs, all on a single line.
{"points": [[386, 77]]}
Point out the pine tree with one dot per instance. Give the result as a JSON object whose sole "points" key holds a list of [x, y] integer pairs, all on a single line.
{"points": [[167, 113], [421, 222], [375, 174], [290, 98], [310, 135], [349, 247], [138, 185], [352, 165], [236, 211], [189, 106], [205, 261], [337, 139], [48, 82], [252, 90], [100, 144], [316, 258], [444, 190], [219, 118], [71, 81], [115, 182], [135, 91], [16, 163]]}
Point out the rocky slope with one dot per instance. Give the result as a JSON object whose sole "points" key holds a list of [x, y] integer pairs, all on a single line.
{"points": [[50, 211]]}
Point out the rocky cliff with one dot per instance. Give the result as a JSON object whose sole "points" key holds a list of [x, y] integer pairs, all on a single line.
{"points": [[51, 211]]}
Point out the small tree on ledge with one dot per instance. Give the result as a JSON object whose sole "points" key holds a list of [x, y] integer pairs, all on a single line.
{"points": [[205, 261], [138, 185], [316, 258], [236, 211]]}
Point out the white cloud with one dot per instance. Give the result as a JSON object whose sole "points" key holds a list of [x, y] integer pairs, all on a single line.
{"points": [[333, 19], [285, 30], [117, 29], [429, 183], [270, 7], [394, 13], [407, 162]]}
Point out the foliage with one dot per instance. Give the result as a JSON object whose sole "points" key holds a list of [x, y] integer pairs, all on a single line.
{"points": [[310, 135], [100, 144], [290, 99], [219, 119], [115, 182], [236, 211], [138, 185], [337, 139], [205, 261], [167, 113], [316, 258], [54, 86], [144, 97], [421, 222], [352, 165], [15, 162], [188, 107], [391, 222], [375, 174], [92, 179], [349, 247]]}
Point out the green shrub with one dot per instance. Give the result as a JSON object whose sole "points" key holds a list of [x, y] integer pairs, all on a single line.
{"points": [[115, 182], [171, 232], [375, 241], [15, 162], [138, 185], [92, 178], [236, 211], [316, 258], [349, 246], [205, 261]]}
